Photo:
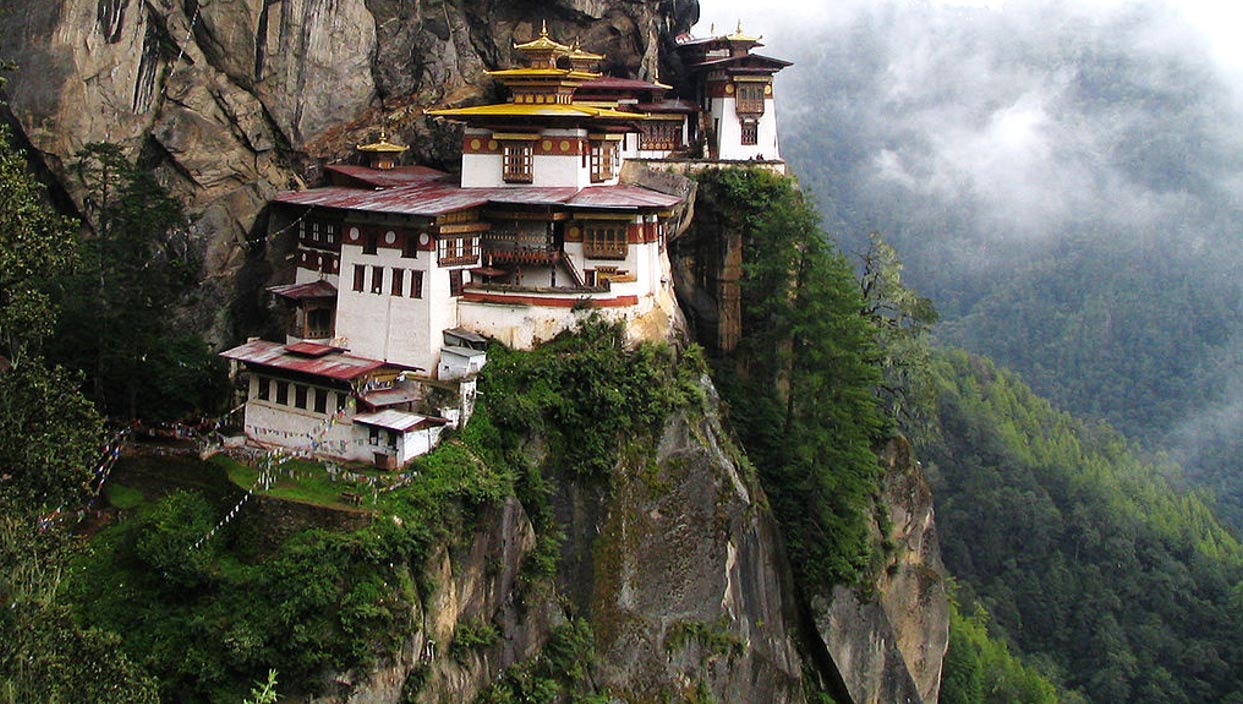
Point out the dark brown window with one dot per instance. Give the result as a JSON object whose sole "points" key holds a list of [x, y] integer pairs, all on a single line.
{"points": [[341, 401], [410, 246], [399, 281], [750, 132], [371, 242], [282, 393], [360, 277], [603, 160], [750, 97], [264, 384], [321, 400], [416, 284], [377, 279], [663, 136], [299, 395], [455, 282], [605, 241], [516, 162]]}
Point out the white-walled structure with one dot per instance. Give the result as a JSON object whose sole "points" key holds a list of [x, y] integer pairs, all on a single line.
{"points": [[399, 270]]}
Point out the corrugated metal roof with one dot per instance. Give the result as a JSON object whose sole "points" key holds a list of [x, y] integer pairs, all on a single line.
{"points": [[621, 197], [401, 421], [389, 178], [311, 349], [390, 397], [297, 292], [468, 335], [462, 351], [609, 83], [437, 199], [338, 366], [745, 58]]}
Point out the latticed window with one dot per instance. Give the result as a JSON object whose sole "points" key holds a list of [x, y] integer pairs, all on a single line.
{"points": [[458, 250], [416, 283], [750, 97], [750, 132], [605, 241], [663, 136], [517, 157], [603, 160]]}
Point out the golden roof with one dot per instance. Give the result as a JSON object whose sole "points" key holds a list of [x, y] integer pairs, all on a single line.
{"points": [[543, 42], [738, 36], [577, 53], [532, 72], [535, 110], [383, 145]]}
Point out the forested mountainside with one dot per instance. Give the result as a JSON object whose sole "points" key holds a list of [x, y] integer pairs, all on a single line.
{"points": [[1081, 547], [1063, 181]]}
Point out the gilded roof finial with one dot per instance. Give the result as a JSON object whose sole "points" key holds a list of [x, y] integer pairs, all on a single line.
{"points": [[543, 27]]}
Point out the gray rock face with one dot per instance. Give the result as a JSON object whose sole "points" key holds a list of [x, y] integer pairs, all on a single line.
{"points": [[890, 642], [690, 589], [229, 101]]}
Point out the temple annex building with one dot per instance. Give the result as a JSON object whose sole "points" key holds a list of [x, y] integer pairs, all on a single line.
{"points": [[403, 273]]}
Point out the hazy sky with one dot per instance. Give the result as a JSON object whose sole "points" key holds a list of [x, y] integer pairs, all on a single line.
{"points": [[1219, 21]]}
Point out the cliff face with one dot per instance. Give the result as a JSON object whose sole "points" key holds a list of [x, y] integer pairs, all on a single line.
{"points": [[889, 639], [675, 563], [229, 101]]}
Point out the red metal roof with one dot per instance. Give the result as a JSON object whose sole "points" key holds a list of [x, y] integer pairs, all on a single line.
{"points": [[311, 349], [335, 365], [626, 197], [314, 289], [666, 106], [390, 178], [759, 59], [432, 199], [612, 83]]}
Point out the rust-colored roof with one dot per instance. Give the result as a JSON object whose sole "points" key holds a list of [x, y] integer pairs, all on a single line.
{"points": [[437, 198], [759, 59], [298, 292], [425, 200], [621, 197], [612, 83], [397, 176], [312, 349], [272, 355], [677, 106]]}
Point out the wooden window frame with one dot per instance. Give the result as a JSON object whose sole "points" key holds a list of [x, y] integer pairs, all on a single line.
{"points": [[750, 133], [455, 282], [604, 160], [398, 283], [299, 396], [321, 400], [746, 100], [377, 279], [517, 162], [360, 277], [264, 391], [605, 240], [416, 283], [457, 250], [282, 393]]}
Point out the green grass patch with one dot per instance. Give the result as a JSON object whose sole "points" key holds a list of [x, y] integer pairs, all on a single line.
{"points": [[123, 497], [298, 480]]}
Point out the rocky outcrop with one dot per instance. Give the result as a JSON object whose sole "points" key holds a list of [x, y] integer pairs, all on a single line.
{"points": [[889, 637], [229, 101], [690, 591]]}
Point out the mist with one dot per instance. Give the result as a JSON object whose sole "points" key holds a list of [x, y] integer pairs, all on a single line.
{"points": [[1065, 180]]}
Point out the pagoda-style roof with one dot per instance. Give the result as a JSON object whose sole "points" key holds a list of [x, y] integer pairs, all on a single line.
{"points": [[744, 61], [383, 146], [543, 43]]}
